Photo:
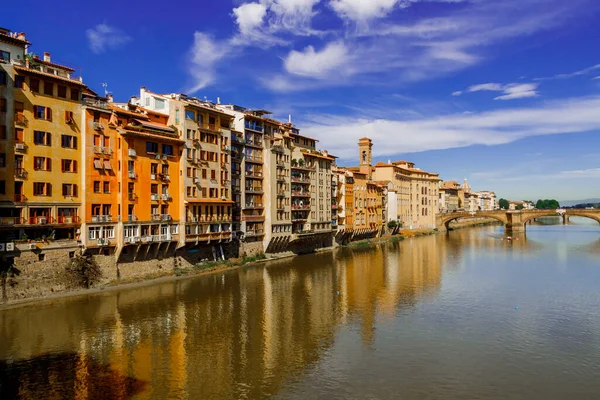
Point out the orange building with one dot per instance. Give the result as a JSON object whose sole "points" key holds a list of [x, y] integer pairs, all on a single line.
{"points": [[132, 179]]}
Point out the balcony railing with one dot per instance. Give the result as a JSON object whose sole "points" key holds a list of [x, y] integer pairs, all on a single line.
{"points": [[255, 143], [300, 206], [132, 218], [68, 219], [255, 232], [103, 150], [253, 205], [297, 193], [20, 198], [20, 147], [256, 159], [102, 218], [132, 175], [132, 196], [254, 174], [20, 173], [41, 220], [301, 179], [304, 167], [254, 127], [12, 221], [256, 190]]}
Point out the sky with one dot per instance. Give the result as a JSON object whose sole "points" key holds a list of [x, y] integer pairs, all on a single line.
{"points": [[505, 93]]}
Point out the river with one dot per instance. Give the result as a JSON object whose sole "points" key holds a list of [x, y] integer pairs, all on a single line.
{"points": [[467, 315]]}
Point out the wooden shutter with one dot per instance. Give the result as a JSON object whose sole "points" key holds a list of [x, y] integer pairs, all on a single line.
{"points": [[74, 190], [48, 114], [65, 191], [48, 139], [35, 112], [74, 165], [48, 164], [74, 142], [62, 165], [48, 189]]}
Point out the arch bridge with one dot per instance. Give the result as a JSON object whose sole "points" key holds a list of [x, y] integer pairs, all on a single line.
{"points": [[515, 221]]}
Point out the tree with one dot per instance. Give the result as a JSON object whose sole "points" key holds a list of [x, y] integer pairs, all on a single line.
{"points": [[519, 206], [503, 203], [547, 204]]}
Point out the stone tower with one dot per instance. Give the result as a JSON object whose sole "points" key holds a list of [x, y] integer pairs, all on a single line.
{"points": [[365, 146]]}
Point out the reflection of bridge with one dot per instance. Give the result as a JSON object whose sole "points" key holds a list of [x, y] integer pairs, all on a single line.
{"points": [[515, 220]]}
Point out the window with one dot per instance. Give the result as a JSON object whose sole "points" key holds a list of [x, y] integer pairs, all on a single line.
{"points": [[159, 104], [18, 135], [2, 104], [2, 187], [42, 189], [42, 138], [106, 187], [34, 85], [3, 78], [2, 160], [69, 119], [69, 189], [96, 186], [19, 81], [69, 142], [75, 94], [48, 88], [203, 174], [41, 112], [151, 147], [167, 149], [190, 115], [42, 163], [62, 91], [3, 132], [69, 165]]}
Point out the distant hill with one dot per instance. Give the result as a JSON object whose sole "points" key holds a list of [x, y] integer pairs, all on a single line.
{"points": [[570, 203]]}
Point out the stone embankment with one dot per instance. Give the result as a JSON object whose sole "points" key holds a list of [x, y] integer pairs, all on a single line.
{"points": [[38, 279]]}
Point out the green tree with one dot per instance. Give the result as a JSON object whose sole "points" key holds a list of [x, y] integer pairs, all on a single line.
{"points": [[503, 203], [547, 204], [519, 206]]}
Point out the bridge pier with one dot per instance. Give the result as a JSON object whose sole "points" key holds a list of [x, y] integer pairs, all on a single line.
{"points": [[510, 229]]}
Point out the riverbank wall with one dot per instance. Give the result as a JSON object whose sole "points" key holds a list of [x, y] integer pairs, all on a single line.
{"points": [[46, 271]]}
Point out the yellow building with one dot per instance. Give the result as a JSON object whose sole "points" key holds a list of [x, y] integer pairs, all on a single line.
{"points": [[40, 103]]}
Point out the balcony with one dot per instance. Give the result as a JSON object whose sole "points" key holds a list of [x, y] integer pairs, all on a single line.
{"points": [[254, 175], [20, 147], [132, 196], [102, 218], [280, 163], [206, 125], [20, 198], [254, 190], [164, 177], [132, 218], [253, 143], [236, 188], [43, 220], [254, 126], [300, 179], [12, 221], [132, 175], [132, 153], [300, 207], [254, 159], [281, 192], [68, 219], [254, 206], [303, 167], [281, 178], [161, 217], [225, 149], [155, 197], [20, 119], [20, 173], [98, 126], [298, 193], [255, 232], [132, 240], [237, 139], [166, 197]]}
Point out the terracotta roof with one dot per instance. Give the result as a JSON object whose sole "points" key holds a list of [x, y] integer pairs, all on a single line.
{"points": [[14, 40], [33, 71], [39, 60], [127, 112], [213, 201], [150, 135], [328, 157], [154, 125]]}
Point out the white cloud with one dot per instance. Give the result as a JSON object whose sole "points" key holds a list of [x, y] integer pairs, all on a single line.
{"points": [[316, 64], [511, 91], [362, 11], [518, 91], [249, 17], [105, 37], [457, 93], [582, 72], [339, 134], [205, 53], [596, 78], [291, 15]]}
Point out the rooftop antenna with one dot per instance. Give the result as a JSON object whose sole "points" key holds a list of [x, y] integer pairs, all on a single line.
{"points": [[105, 86], [290, 118]]}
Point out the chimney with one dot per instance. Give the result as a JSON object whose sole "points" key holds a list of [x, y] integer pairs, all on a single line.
{"points": [[21, 36], [47, 57], [109, 98], [289, 118], [218, 100]]}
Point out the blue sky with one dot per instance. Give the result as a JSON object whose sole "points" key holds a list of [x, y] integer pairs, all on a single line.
{"points": [[505, 93]]}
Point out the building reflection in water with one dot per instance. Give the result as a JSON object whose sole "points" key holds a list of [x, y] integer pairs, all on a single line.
{"points": [[238, 334]]}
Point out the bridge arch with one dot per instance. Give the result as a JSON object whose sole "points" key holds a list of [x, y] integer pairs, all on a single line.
{"points": [[583, 214], [500, 217]]}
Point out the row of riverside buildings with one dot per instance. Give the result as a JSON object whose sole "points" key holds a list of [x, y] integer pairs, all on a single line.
{"points": [[167, 174]]}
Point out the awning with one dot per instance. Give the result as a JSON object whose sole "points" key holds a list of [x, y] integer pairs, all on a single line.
{"points": [[97, 164], [107, 165]]}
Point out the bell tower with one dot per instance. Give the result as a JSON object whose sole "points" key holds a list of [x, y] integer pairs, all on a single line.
{"points": [[365, 146]]}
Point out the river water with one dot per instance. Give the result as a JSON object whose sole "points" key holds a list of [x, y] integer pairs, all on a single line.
{"points": [[468, 315]]}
